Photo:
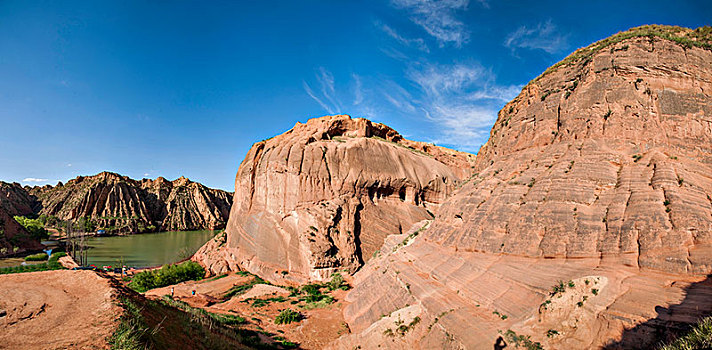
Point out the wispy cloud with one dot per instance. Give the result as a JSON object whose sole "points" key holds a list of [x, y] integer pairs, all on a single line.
{"points": [[545, 36], [398, 96], [461, 100], [33, 179], [438, 18], [358, 89], [417, 43], [327, 92]]}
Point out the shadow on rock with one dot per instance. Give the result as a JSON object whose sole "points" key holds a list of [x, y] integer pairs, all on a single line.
{"points": [[671, 322]]}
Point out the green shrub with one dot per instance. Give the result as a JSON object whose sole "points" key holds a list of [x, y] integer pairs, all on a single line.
{"points": [[287, 316], [522, 341], [36, 257], [337, 282], [34, 227], [166, 275]]}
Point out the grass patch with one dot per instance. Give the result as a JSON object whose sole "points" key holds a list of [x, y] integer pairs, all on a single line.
{"points": [[523, 341], [699, 337], [171, 324], [36, 257], [288, 316], [264, 302], [403, 146], [51, 264], [685, 37], [411, 237], [216, 278], [242, 288], [224, 319], [132, 327]]}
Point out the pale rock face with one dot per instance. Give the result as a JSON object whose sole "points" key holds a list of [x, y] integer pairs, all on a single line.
{"points": [[566, 191], [324, 195]]}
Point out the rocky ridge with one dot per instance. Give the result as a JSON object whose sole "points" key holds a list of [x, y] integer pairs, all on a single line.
{"points": [[17, 200], [122, 204], [596, 179], [324, 195]]}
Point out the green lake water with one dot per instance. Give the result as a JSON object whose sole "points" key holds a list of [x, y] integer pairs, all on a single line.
{"points": [[145, 250]]}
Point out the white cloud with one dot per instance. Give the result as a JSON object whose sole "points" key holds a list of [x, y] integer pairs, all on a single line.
{"points": [[69, 165], [544, 36], [417, 43], [311, 94], [461, 100], [438, 18], [327, 97], [33, 179], [358, 89]]}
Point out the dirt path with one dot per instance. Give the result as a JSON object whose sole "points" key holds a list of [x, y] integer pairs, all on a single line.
{"points": [[56, 310]]}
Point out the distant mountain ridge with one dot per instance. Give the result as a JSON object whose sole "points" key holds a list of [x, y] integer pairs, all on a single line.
{"points": [[121, 204]]}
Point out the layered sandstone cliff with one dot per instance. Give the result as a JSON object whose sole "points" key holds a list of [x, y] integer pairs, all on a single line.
{"points": [[598, 173], [127, 205], [324, 195]]}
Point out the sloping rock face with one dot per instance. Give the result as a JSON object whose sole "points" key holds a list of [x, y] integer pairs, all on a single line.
{"points": [[598, 173], [112, 200], [13, 237], [16, 200], [325, 194]]}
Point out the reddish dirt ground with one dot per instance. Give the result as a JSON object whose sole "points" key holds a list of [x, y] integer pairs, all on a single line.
{"points": [[319, 327], [56, 310]]}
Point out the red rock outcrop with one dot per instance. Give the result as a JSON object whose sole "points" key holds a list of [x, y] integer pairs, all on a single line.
{"points": [[13, 237], [128, 205], [325, 194], [598, 173]]}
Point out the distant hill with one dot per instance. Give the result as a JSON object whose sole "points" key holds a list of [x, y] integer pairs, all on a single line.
{"points": [[120, 204]]}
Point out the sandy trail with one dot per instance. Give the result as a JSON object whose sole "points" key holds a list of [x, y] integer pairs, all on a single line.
{"points": [[56, 310]]}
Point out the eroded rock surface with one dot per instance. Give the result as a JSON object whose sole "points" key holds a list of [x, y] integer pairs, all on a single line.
{"points": [[598, 173], [16, 200], [324, 195], [112, 200], [13, 237]]}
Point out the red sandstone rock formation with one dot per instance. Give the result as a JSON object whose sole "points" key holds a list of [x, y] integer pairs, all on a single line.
{"points": [[112, 200], [598, 173], [324, 195]]}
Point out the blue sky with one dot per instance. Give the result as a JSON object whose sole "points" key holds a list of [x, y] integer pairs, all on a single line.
{"points": [[171, 88]]}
